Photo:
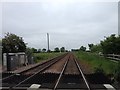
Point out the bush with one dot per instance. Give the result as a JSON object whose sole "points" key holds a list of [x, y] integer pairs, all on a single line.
{"points": [[117, 72], [99, 69]]}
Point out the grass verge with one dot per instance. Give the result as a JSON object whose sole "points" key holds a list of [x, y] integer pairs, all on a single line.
{"points": [[44, 56], [97, 62]]}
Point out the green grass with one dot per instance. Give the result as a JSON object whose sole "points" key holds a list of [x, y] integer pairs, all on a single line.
{"points": [[45, 56], [96, 61]]}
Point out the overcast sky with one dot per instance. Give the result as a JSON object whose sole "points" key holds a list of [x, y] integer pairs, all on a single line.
{"points": [[69, 24]]}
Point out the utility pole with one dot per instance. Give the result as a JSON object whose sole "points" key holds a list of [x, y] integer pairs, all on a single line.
{"points": [[48, 41]]}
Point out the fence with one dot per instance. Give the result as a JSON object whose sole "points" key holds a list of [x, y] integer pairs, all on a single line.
{"points": [[112, 56]]}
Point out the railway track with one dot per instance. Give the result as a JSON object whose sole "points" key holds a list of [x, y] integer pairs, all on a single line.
{"points": [[60, 73], [32, 70], [69, 75], [14, 79], [36, 77], [66, 80]]}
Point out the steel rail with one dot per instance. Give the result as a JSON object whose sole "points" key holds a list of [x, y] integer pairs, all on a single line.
{"points": [[44, 68], [7, 77], [63, 69], [80, 70], [31, 68], [43, 63], [26, 70]]}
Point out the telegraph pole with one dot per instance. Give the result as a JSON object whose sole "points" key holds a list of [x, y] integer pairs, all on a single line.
{"points": [[48, 41]]}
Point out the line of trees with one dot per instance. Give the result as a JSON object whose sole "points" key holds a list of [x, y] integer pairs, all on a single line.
{"points": [[82, 48], [110, 45], [34, 50], [12, 43], [62, 49]]}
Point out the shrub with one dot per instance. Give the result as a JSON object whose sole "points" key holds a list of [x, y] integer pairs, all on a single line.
{"points": [[99, 69], [117, 72]]}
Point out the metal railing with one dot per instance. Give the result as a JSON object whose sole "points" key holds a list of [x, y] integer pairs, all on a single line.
{"points": [[112, 56]]}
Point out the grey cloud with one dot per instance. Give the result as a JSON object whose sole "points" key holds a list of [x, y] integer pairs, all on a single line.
{"points": [[70, 25]]}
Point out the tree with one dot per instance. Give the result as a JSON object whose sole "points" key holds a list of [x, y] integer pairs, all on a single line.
{"points": [[34, 50], [62, 49], [56, 49], [95, 48], [74, 50], [90, 46], [111, 45], [39, 50], [82, 48], [43, 50], [13, 43], [29, 51]]}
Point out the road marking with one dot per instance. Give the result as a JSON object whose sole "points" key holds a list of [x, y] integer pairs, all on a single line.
{"points": [[109, 87], [35, 86]]}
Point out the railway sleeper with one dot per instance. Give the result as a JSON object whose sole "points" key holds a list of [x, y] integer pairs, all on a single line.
{"points": [[42, 78], [71, 81], [14, 80]]}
